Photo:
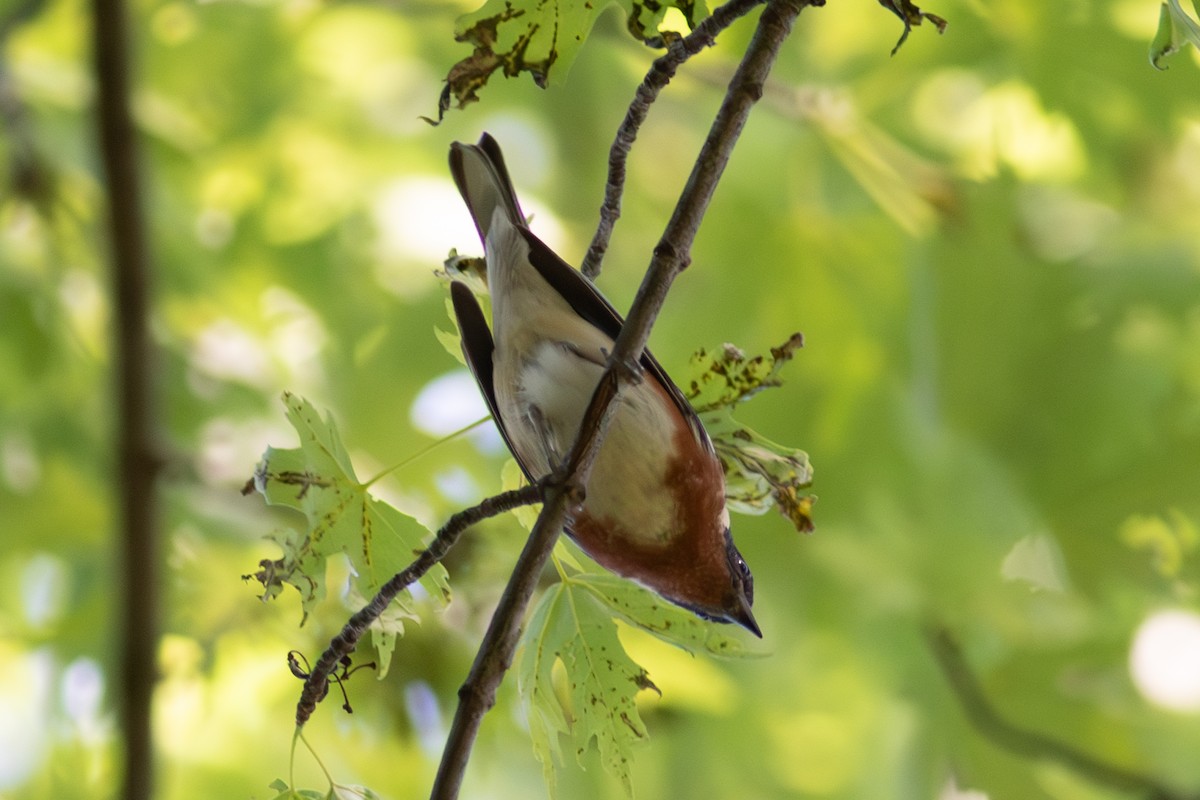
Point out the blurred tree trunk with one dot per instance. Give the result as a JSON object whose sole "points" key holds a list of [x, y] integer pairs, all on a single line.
{"points": [[136, 460]]}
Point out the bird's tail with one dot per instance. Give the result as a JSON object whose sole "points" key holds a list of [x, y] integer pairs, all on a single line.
{"points": [[483, 182]]}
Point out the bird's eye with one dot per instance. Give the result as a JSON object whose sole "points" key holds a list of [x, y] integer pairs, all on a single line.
{"points": [[739, 567], [747, 579]]}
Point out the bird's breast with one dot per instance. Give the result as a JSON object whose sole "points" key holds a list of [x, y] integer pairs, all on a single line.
{"points": [[630, 493]]}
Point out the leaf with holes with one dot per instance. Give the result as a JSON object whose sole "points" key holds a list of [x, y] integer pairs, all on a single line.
{"points": [[759, 473], [318, 480], [597, 698], [541, 36], [336, 792], [667, 621]]}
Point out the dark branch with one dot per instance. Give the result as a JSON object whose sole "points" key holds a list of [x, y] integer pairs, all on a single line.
{"points": [[1031, 744], [478, 693], [671, 256], [137, 463], [673, 253], [661, 72], [317, 682]]}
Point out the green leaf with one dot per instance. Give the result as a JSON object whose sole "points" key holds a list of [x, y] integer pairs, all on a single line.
{"points": [[342, 792], [598, 700], [511, 478], [1175, 29], [451, 340], [1170, 540], [1190, 29], [1037, 560], [472, 271], [594, 695], [759, 473], [537, 36], [669, 622], [318, 480], [286, 792], [1165, 42]]}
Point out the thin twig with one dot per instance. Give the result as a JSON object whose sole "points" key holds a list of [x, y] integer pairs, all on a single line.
{"points": [[344, 643], [661, 72], [1032, 744], [673, 252], [671, 256], [137, 463]]}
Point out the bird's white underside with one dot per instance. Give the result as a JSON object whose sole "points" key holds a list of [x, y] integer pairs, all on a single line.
{"points": [[555, 360]]}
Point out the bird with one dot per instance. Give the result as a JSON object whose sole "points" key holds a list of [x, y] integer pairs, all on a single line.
{"points": [[654, 506]]}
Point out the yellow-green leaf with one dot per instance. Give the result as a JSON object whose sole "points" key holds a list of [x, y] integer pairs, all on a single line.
{"points": [[597, 700], [318, 480], [759, 473], [511, 477], [472, 271], [543, 37], [1170, 539], [1175, 29], [667, 621]]}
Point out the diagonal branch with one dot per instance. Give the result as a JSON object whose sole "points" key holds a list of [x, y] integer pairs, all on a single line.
{"points": [[671, 257], [344, 643], [661, 72], [1032, 744]]}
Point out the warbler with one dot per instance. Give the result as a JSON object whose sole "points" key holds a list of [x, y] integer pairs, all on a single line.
{"points": [[654, 507]]}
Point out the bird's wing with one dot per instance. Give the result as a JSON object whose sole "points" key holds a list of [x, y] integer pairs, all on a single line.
{"points": [[583, 296], [483, 180], [478, 347]]}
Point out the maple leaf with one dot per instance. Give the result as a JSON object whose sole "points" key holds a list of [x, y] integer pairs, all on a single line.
{"points": [[541, 37], [759, 473], [570, 627], [317, 479]]}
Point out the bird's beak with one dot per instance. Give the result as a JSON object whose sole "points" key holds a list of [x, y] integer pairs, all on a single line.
{"points": [[742, 615]]}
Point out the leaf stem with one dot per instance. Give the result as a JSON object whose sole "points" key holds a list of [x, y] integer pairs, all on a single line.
{"points": [[424, 451], [292, 763], [307, 746], [564, 489], [558, 567]]}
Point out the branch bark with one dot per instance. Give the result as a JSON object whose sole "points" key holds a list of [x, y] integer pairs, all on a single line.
{"points": [[137, 463], [661, 72], [671, 257], [344, 643], [1031, 744]]}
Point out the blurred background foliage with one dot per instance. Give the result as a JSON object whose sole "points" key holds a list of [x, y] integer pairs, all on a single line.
{"points": [[990, 242]]}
